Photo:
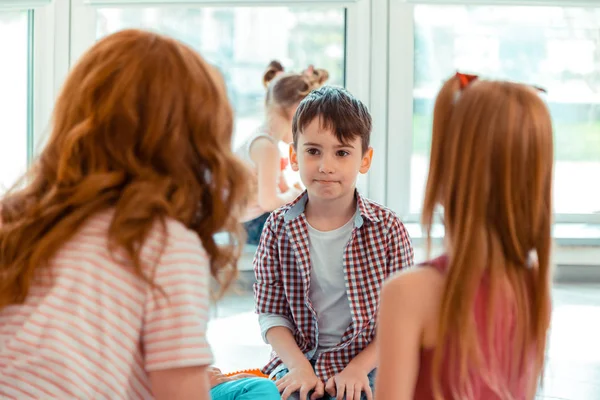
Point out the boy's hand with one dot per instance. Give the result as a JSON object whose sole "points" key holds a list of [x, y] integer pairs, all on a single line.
{"points": [[352, 381], [303, 380]]}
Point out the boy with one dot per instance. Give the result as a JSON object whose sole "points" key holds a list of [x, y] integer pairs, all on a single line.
{"points": [[322, 259]]}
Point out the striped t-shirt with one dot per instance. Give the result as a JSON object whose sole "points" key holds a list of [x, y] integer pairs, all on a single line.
{"points": [[94, 330]]}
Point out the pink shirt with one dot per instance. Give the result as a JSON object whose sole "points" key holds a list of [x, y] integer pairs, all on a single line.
{"points": [[513, 383], [96, 330]]}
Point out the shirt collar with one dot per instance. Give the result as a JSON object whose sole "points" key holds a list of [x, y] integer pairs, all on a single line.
{"points": [[363, 209]]}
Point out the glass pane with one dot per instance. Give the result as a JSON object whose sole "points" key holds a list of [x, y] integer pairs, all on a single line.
{"points": [[241, 41], [13, 97], [553, 47]]}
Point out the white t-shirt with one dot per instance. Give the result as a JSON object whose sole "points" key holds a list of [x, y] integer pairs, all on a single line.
{"points": [[328, 283], [253, 209], [328, 293]]}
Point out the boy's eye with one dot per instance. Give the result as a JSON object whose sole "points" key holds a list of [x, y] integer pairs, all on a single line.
{"points": [[342, 153], [313, 151]]}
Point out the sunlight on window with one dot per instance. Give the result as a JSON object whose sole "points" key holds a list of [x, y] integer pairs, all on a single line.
{"points": [[553, 47], [13, 97], [241, 42]]}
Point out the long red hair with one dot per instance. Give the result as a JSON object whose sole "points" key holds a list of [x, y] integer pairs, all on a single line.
{"points": [[142, 126], [491, 170]]}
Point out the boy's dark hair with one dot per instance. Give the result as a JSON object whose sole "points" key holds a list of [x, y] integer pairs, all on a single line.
{"points": [[339, 111]]}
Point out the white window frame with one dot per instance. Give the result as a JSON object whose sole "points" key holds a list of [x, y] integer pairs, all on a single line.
{"points": [[400, 111], [50, 52], [20, 5], [555, 3]]}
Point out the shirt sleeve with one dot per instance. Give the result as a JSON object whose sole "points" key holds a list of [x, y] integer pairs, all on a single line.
{"points": [[268, 321], [269, 290], [400, 250], [177, 311]]}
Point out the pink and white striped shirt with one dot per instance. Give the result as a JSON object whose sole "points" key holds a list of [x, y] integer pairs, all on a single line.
{"points": [[95, 330]]}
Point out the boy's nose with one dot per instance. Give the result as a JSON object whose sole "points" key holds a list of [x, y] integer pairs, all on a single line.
{"points": [[326, 167]]}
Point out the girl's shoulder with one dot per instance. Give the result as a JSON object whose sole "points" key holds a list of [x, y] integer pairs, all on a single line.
{"points": [[263, 146], [417, 281], [422, 284]]}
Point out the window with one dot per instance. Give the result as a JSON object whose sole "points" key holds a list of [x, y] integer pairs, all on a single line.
{"points": [[553, 47], [14, 91], [242, 41]]}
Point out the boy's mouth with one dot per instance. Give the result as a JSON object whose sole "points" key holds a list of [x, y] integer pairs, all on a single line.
{"points": [[325, 182]]}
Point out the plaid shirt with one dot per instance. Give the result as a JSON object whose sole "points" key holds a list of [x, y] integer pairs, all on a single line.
{"points": [[379, 247]]}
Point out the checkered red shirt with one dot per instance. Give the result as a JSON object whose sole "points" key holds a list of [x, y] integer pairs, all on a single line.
{"points": [[379, 246]]}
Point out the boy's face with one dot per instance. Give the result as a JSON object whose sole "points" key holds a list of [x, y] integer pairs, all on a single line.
{"points": [[327, 167]]}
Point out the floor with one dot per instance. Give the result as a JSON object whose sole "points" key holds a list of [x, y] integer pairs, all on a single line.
{"points": [[573, 370], [573, 366]]}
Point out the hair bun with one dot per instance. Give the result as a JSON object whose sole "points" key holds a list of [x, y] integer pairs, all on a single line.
{"points": [[316, 76], [273, 69]]}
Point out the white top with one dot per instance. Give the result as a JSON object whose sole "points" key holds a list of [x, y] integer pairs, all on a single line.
{"points": [[253, 209], [96, 329], [328, 284], [328, 288], [243, 151]]}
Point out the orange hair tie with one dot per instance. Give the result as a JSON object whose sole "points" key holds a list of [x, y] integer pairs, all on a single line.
{"points": [[465, 79]]}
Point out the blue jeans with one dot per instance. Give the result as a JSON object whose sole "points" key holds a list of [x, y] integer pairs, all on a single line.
{"points": [[296, 396], [254, 228], [246, 389]]}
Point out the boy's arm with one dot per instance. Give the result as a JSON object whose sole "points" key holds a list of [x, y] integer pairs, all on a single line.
{"points": [[269, 290], [301, 376], [283, 342], [354, 380], [400, 250], [366, 360], [271, 302], [268, 321]]}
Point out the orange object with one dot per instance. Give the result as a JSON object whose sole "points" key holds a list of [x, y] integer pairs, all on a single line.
{"points": [[255, 372], [283, 163]]}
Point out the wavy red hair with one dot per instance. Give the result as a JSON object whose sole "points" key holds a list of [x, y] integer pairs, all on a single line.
{"points": [[142, 126]]}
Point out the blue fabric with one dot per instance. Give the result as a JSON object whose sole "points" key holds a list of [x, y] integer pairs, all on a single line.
{"points": [[255, 227], [296, 396], [246, 389]]}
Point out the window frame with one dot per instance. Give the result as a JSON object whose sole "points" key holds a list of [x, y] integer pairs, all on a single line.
{"points": [[33, 9], [22, 5], [31, 62], [51, 54]]}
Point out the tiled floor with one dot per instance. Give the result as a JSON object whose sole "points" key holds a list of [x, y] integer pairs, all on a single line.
{"points": [[573, 366]]}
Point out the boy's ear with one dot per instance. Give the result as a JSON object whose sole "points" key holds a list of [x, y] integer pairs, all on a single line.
{"points": [[366, 161], [293, 158]]}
